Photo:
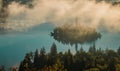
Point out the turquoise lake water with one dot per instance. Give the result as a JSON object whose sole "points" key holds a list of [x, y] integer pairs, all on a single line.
{"points": [[14, 46]]}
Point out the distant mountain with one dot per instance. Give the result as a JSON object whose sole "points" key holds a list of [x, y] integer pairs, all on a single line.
{"points": [[45, 27]]}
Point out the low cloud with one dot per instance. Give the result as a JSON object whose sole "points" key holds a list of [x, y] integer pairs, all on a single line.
{"points": [[94, 14]]}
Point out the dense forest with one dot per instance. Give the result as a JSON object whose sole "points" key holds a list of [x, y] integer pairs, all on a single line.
{"points": [[91, 60]]}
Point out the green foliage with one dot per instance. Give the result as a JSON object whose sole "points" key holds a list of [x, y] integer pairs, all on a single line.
{"points": [[93, 69], [59, 66], [93, 60], [117, 67]]}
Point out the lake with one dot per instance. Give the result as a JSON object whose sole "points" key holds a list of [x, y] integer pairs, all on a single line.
{"points": [[14, 46]]}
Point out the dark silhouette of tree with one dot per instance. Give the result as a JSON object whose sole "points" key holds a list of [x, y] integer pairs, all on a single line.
{"points": [[78, 34], [42, 58], [59, 66], [68, 60], [53, 54], [118, 51], [92, 49], [99, 51], [42, 51], [53, 51], [26, 64], [36, 56], [81, 50], [111, 66], [92, 60]]}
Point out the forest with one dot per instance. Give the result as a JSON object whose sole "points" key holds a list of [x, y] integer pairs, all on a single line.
{"points": [[91, 60]]}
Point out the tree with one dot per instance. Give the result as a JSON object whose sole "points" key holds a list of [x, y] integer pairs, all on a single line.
{"points": [[42, 58], [42, 51], [102, 60], [53, 54], [99, 52], [59, 66], [68, 60], [81, 50], [118, 51], [26, 64], [53, 50], [92, 49], [36, 56], [111, 66], [78, 34]]}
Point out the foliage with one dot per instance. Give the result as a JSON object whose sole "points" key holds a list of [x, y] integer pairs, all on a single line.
{"points": [[77, 34], [91, 60]]}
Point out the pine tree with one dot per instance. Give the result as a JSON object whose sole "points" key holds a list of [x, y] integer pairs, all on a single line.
{"points": [[53, 50], [118, 51], [36, 56], [26, 64]]}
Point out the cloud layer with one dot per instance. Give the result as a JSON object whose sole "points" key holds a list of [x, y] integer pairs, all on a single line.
{"points": [[59, 12]]}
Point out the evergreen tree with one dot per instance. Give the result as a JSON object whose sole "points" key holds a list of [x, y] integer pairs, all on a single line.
{"points": [[59, 66], [53, 54], [26, 64], [92, 49], [53, 50], [81, 50], [36, 56], [92, 60], [42, 51], [42, 58], [111, 66], [118, 51]]}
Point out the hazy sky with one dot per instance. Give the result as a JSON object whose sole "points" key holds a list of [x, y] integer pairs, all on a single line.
{"points": [[100, 15]]}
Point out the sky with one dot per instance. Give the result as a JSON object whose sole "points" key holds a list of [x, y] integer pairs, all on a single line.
{"points": [[26, 26], [19, 17]]}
